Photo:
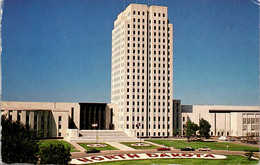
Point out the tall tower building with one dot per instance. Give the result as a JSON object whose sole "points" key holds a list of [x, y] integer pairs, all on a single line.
{"points": [[142, 71]]}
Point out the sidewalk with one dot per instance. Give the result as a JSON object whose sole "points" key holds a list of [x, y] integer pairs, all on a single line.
{"points": [[120, 146], [78, 147], [155, 144]]}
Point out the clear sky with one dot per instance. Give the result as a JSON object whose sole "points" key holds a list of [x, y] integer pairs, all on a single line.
{"points": [[60, 50]]}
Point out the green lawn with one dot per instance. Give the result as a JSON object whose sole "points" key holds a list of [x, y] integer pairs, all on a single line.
{"points": [[108, 147], [230, 160], [212, 145], [137, 147], [46, 142]]}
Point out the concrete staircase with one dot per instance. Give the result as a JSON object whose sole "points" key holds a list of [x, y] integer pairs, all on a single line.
{"points": [[103, 136]]}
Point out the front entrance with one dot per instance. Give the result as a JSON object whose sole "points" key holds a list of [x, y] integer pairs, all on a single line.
{"points": [[95, 113]]}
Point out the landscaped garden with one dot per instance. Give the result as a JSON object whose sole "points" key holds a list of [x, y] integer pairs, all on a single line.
{"points": [[177, 144], [230, 160], [136, 146], [106, 146], [46, 142]]}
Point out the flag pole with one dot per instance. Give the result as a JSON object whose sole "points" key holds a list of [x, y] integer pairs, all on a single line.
{"points": [[140, 133]]}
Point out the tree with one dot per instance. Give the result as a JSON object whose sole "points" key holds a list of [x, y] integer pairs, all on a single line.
{"points": [[55, 153], [204, 128], [19, 144], [176, 132], [190, 129]]}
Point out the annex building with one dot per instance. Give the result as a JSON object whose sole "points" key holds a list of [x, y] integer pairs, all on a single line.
{"points": [[67, 120], [236, 121]]}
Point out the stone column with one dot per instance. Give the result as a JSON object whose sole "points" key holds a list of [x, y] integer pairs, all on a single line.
{"points": [[31, 119], [15, 114], [23, 117], [45, 118]]}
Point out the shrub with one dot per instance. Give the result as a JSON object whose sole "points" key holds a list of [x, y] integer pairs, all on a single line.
{"points": [[19, 143], [55, 153]]}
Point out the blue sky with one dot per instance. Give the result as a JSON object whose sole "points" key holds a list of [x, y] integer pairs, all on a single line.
{"points": [[61, 50]]}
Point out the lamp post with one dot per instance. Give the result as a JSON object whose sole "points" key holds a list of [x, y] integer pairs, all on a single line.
{"points": [[138, 126]]}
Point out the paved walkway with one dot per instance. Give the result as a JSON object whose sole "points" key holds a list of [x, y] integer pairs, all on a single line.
{"points": [[155, 144], [120, 146], [78, 147]]}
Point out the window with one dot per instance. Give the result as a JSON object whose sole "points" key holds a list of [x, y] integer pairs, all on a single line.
{"points": [[134, 12]]}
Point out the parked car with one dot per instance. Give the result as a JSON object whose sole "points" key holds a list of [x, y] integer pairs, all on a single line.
{"points": [[222, 138], [252, 141], [204, 149], [164, 149], [187, 149], [232, 139], [244, 140], [92, 151]]}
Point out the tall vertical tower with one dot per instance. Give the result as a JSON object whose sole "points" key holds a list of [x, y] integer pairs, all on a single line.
{"points": [[142, 71]]}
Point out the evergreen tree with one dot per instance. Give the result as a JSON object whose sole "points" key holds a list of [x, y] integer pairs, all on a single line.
{"points": [[204, 128], [190, 129], [19, 144]]}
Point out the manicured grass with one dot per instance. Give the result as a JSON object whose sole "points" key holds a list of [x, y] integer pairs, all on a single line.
{"points": [[108, 147], [139, 147], [230, 160], [46, 142], [212, 145]]}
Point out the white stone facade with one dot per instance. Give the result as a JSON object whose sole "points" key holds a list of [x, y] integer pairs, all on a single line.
{"points": [[142, 71], [225, 120], [50, 118]]}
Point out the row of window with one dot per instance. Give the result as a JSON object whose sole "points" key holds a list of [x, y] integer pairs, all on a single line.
{"points": [[154, 134], [159, 65], [143, 33], [142, 126], [154, 119], [143, 52], [150, 27], [250, 120], [143, 13], [159, 110], [253, 127], [143, 39], [154, 91], [150, 21], [154, 85]]}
